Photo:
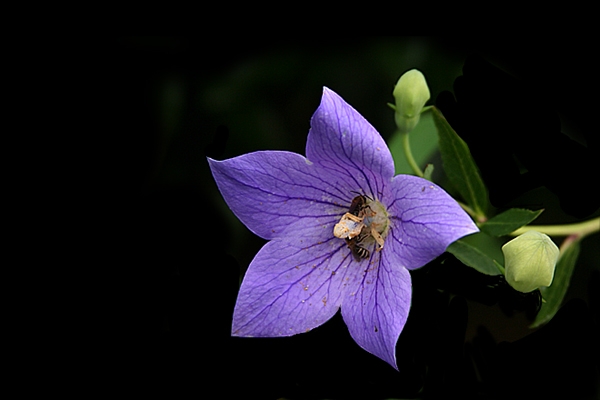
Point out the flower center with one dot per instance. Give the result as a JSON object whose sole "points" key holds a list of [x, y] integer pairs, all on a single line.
{"points": [[377, 219], [365, 222]]}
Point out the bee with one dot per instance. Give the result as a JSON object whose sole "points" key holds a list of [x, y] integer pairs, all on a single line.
{"points": [[358, 204], [358, 252], [353, 229], [351, 223]]}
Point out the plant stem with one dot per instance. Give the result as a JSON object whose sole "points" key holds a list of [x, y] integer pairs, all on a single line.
{"points": [[409, 156], [580, 229], [480, 219]]}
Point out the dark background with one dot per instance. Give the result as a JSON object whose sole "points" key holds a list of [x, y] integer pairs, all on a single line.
{"points": [[161, 322]]}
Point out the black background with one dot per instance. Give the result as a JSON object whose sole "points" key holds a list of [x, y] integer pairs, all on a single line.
{"points": [[169, 254]]}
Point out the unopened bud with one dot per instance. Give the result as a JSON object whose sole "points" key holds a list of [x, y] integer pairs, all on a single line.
{"points": [[529, 261], [411, 94]]}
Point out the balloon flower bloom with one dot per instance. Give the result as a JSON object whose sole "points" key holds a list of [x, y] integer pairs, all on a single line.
{"points": [[343, 232]]}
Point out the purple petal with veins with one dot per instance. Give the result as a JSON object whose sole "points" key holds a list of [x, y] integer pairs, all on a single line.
{"points": [[425, 220], [343, 142], [276, 193], [376, 313], [292, 287]]}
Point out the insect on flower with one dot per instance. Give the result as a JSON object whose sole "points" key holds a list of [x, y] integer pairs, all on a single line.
{"points": [[358, 252], [359, 221], [358, 204], [351, 224], [351, 227]]}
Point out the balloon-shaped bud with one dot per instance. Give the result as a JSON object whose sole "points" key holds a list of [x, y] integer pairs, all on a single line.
{"points": [[411, 94], [529, 261]]}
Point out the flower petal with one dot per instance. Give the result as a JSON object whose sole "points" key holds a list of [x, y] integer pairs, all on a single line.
{"points": [[424, 220], [377, 312], [275, 193], [292, 287], [342, 141]]}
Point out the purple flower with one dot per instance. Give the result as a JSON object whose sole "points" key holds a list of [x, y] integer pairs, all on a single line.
{"points": [[305, 273]]}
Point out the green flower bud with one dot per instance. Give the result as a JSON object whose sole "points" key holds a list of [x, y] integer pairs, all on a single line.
{"points": [[529, 261], [411, 94]]}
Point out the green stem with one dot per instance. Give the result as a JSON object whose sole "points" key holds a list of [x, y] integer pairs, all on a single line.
{"points": [[409, 156], [468, 209], [580, 229], [480, 219]]}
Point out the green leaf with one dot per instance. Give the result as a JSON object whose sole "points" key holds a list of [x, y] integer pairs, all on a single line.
{"points": [[460, 167], [554, 294], [509, 221], [472, 257]]}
